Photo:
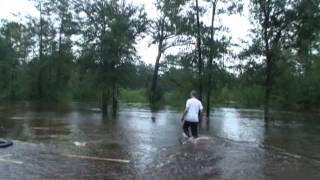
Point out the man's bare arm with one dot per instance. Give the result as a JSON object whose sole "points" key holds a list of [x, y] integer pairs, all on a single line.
{"points": [[200, 115], [184, 114]]}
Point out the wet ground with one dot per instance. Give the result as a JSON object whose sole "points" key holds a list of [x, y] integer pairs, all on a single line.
{"points": [[51, 143]]}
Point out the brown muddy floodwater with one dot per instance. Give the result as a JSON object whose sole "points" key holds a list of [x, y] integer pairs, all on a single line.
{"points": [[50, 143]]}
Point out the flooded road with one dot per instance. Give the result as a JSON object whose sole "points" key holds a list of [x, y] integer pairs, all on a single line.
{"points": [[52, 143]]}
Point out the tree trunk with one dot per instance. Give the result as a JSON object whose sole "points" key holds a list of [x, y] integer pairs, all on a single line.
{"points": [[155, 73], [59, 61], [200, 62], [105, 89], [268, 89], [114, 100], [12, 87], [41, 34], [104, 102], [60, 38], [157, 64], [266, 26], [39, 84], [211, 59]]}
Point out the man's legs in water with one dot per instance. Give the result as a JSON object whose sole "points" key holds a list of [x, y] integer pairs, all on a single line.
{"points": [[186, 126], [194, 129]]}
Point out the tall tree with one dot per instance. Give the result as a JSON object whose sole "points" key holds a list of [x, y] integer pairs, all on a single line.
{"points": [[8, 68], [210, 47], [67, 27], [112, 28], [305, 46], [210, 62], [307, 30], [45, 32], [18, 39], [272, 20], [200, 60], [164, 32]]}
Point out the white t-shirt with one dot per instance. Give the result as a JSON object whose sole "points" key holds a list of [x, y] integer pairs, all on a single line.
{"points": [[193, 107]]}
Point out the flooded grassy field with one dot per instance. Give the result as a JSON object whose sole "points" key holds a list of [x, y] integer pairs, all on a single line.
{"points": [[51, 143]]}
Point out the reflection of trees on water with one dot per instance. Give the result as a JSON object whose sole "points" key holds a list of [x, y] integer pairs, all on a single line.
{"points": [[23, 124], [236, 125]]}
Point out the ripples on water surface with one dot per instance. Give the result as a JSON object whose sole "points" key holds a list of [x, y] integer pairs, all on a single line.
{"points": [[239, 146]]}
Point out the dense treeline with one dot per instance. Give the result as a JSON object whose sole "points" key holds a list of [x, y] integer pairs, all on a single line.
{"points": [[86, 51]]}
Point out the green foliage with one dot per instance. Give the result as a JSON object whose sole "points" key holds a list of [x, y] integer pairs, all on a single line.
{"points": [[133, 96], [174, 99], [86, 51], [251, 97], [7, 69]]}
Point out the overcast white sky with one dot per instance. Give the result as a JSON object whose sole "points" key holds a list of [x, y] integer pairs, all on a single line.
{"points": [[238, 25]]}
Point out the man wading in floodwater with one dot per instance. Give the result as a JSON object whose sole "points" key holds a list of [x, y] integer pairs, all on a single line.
{"points": [[191, 115]]}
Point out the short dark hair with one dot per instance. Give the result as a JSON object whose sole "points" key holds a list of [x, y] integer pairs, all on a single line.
{"points": [[194, 93]]}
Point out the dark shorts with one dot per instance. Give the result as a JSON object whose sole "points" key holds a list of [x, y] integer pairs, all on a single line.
{"points": [[190, 125]]}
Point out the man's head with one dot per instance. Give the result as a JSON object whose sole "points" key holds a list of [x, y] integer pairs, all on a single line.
{"points": [[193, 93]]}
